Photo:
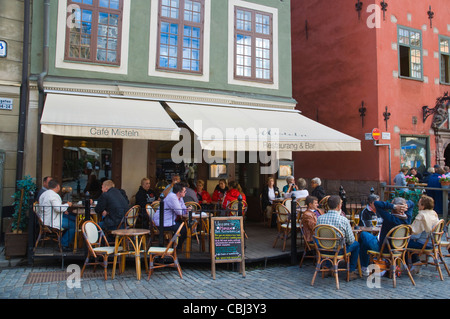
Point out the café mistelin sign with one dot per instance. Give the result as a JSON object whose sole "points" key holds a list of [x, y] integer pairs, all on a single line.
{"points": [[112, 132]]}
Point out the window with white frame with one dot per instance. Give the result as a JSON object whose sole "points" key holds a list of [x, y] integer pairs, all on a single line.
{"points": [[180, 36], [253, 46], [444, 45], [93, 32], [410, 53]]}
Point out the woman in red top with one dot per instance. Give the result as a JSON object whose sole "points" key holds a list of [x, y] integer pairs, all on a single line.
{"points": [[219, 192], [202, 195], [233, 194]]}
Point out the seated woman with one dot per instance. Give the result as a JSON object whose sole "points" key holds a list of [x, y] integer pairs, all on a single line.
{"points": [[219, 192], [202, 195], [233, 194], [268, 194], [422, 226], [301, 191], [290, 185]]}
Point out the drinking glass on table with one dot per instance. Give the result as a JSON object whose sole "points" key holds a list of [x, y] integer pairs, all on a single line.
{"points": [[356, 218], [374, 221]]}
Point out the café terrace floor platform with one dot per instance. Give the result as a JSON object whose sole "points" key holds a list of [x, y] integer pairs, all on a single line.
{"points": [[258, 247]]}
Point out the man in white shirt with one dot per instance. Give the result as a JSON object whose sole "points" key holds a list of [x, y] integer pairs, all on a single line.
{"points": [[54, 213]]}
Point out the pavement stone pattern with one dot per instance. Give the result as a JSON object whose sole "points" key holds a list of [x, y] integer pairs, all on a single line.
{"points": [[278, 281]]}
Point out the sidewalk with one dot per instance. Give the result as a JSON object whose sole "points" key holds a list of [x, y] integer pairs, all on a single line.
{"points": [[12, 262]]}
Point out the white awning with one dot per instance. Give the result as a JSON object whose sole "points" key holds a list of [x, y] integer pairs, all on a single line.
{"points": [[102, 117], [248, 129]]}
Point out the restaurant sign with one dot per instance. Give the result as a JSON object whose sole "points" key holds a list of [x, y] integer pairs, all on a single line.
{"points": [[112, 132], [6, 104]]}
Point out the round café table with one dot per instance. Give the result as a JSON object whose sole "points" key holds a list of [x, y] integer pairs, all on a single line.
{"points": [[135, 238]]}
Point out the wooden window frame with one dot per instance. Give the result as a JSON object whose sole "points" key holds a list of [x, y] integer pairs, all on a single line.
{"points": [[96, 9], [444, 74], [181, 22], [410, 48], [254, 35]]}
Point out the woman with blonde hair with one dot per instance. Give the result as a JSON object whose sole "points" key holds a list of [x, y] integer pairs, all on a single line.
{"points": [[422, 226]]}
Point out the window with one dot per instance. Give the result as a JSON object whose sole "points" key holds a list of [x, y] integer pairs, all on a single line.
{"points": [[414, 152], [93, 31], [410, 53], [253, 45], [445, 59], [180, 35]]}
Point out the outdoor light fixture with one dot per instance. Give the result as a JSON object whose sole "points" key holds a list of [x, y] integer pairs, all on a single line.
{"points": [[386, 115], [430, 16], [358, 7], [440, 111], [384, 6], [362, 112]]}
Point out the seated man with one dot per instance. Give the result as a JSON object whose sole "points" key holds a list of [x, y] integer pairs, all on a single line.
{"points": [[55, 213], [397, 217], [334, 218], [174, 208], [309, 217], [145, 195], [369, 212], [112, 205]]}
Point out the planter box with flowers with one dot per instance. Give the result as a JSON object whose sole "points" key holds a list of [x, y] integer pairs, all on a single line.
{"points": [[445, 181], [411, 180]]}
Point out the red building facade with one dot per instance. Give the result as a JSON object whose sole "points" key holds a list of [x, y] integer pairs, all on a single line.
{"points": [[373, 64]]}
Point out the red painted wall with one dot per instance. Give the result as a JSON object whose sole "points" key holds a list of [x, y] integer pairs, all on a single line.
{"points": [[340, 62]]}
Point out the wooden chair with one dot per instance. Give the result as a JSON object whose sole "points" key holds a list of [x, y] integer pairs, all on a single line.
{"points": [[195, 209], [329, 243], [445, 242], [130, 218], [283, 225], [170, 251], [309, 251], [46, 232], [393, 250], [233, 210], [435, 237], [95, 240], [154, 230]]}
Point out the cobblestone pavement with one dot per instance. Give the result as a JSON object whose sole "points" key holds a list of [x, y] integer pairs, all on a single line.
{"points": [[278, 280]]}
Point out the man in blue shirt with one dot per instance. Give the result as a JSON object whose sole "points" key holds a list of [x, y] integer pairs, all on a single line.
{"points": [[401, 214]]}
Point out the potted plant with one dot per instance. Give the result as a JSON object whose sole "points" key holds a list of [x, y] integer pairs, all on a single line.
{"points": [[445, 181], [16, 240], [411, 180]]}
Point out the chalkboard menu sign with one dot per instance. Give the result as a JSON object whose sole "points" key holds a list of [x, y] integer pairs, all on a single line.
{"points": [[227, 242]]}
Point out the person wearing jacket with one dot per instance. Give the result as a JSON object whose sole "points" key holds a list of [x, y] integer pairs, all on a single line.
{"points": [[219, 192], [145, 195], [202, 195], [233, 194], [54, 213], [401, 214], [112, 205]]}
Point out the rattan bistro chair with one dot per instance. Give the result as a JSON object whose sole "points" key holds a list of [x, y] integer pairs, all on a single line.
{"points": [[434, 252], [329, 243], [170, 251], [95, 239], [393, 250], [283, 225], [130, 218], [46, 232]]}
